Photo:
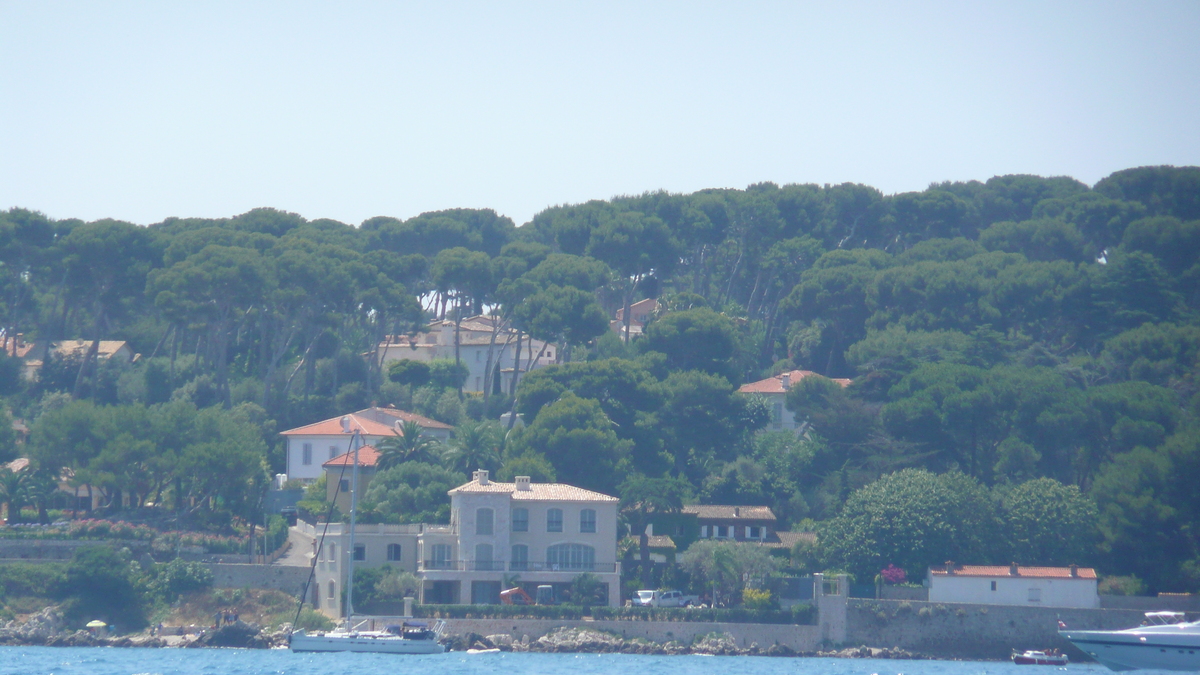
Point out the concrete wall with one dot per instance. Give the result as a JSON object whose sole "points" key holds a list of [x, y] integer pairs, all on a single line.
{"points": [[799, 638], [284, 578], [969, 630]]}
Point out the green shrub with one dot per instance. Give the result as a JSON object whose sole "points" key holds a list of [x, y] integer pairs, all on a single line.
{"points": [[103, 583], [311, 619], [170, 580], [756, 599]]}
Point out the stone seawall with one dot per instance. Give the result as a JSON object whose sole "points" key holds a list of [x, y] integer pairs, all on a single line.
{"points": [[290, 580], [972, 631], [798, 638]]}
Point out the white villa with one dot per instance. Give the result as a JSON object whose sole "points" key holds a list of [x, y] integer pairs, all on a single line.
{"points": [[524, 533], [483, 354], [774, 390], [312, 445]]}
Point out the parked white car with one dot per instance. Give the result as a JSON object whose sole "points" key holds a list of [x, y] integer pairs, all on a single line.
{"points": [[663, 599]]}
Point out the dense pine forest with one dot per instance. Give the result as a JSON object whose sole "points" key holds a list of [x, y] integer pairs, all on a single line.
{"points": [[1024, 356]]}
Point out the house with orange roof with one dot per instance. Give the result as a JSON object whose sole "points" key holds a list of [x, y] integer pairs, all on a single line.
{"points": [[1014, 584], [431, 428], [34, 354], [310, 446], [774, 390], [339, 475], [639, 313]]}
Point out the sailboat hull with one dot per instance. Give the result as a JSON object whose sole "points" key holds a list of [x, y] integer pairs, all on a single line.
{"points": [[359, 642]]}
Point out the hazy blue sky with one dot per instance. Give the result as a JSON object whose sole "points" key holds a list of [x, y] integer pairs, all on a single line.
{"points": [[347, 110]]}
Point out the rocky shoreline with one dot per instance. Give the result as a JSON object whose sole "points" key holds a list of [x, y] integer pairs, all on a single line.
{"points": [[47, 628]]}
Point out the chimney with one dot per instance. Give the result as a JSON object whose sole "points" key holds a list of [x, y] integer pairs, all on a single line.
{"points": [[1013, 570], [346, 424], [787, 380], [481, 476], [950, 567], [1074, 571], [523, 483]]}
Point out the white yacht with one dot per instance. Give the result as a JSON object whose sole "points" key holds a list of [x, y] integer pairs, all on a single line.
{"points": [[1165, 641], [409, 637]]}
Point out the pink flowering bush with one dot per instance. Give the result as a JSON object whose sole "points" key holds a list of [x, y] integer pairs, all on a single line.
{"points": [[893, 575]]}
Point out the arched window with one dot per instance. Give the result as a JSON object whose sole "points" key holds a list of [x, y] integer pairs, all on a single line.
{"points": [[571, 557], [520, 520], [483, 557], [332, 590], [554, 520], [520, 557], [333, 553], [587, 520], [483, 521]]}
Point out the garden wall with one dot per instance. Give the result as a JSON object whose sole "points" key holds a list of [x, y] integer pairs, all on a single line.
{"points": [[972, 631], [799, 638], [284, 578]]}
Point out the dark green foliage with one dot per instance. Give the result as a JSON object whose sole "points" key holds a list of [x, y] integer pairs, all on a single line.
{"points": [[411, 492], [447, 374], [103, 583], [170, 580], [410, 372]]}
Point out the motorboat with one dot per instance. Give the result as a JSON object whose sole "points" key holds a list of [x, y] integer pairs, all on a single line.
{"points": [[409, 637], [1031, 657], [1164, 641]]}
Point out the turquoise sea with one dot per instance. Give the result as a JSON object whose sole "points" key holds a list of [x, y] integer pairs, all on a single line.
{"points": [[110, 661]]}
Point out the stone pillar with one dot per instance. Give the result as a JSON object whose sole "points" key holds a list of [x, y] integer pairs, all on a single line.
{"points": [[831, 609], [408, 603]]}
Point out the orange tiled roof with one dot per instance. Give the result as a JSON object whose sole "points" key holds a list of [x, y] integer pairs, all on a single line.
{"points": [[333, 427], [723, 512], [1006, 571], [367, 456], [774, 385]]}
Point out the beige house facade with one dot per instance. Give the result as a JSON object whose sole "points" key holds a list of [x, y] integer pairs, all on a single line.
{"points": [[520, 533]]}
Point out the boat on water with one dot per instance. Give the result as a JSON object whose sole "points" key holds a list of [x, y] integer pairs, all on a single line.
{"points": [[1164, 641], [1031, 657], [409, 637]]}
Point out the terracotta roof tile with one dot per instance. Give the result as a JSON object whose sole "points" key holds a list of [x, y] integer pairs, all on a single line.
{"points": [[790, 539], [367, 456], [661, 541], [774, 385], [536, 492], [1005, 571], [333, 427], [723, 512]]}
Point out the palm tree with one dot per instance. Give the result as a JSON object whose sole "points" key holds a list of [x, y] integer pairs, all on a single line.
{"points": [[408, 446], [476, 445], [12, 493], [39, 486]]}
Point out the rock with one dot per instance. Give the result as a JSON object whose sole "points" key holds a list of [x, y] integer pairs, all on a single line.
{"points": [[503, 641], [779, 650], [233, 635]]}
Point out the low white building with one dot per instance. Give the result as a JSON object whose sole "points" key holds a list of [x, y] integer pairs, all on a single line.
{"points": [[1014, 584], [523, 533], [312, 445]]}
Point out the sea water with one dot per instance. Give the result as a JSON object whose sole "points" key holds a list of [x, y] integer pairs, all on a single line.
{"points": [[134, 661]]}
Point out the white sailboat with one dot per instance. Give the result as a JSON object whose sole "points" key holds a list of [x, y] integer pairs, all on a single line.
{"points": [[407, 637]]}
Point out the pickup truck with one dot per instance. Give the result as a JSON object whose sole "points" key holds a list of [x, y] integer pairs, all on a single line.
{"points": [[663, 599]]}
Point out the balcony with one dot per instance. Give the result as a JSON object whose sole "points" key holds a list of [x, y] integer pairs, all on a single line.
{"points": [[518, 566]]}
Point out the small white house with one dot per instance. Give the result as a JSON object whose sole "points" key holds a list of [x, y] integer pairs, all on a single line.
{"points": [[1014, 584]]}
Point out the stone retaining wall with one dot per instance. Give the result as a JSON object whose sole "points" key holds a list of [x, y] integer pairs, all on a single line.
{"points": [[799, 638], [284, 578], [972, 631]]}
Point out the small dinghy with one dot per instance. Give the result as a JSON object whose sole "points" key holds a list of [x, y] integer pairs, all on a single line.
{"points": [[1032, 657]]}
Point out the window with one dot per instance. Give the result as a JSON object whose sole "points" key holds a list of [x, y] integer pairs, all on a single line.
{"points": [[1035, 595], [587, 520], [571, 557], [777, 416], [345, 486], [360, 552], [333, 451], [720, 531], [483, 521], [993, 585], [754, 532], [306, 454], [332, 591], [333, 552], [393, 552], [440, 556], [520, 520], [554, 520], [520, 557], [483, 557]]}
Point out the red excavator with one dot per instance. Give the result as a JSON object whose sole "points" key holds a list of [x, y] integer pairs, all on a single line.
{"points": [[518, 596]]}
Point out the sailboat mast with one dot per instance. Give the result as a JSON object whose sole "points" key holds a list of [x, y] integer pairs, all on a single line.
{"points": [[355, 442]]}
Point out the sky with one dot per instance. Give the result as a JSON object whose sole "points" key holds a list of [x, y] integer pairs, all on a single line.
{"points": [[141, 111]]}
